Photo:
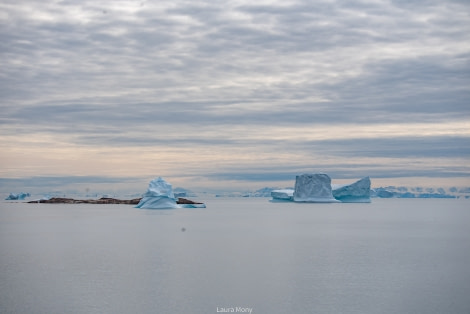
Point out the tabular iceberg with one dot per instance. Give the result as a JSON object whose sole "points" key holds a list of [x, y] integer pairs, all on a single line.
{"points": [[357, 192], [160, 195], [313, 188]]}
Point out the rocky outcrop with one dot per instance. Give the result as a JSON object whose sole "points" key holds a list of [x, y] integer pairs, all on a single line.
{"points": [[186, 201], [103, 200]]}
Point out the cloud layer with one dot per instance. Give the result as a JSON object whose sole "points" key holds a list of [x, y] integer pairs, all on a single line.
{"points": [[234, 90]]}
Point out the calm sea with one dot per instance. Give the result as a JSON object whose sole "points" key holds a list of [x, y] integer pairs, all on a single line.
{"points": [[240, 254]]}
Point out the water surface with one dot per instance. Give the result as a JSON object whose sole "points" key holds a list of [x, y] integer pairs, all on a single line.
{"points": [[390, 256]]}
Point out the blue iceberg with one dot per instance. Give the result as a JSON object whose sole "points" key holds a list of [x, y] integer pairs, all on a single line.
{"points": [[317, 188], [160, 195], [17, 197], [357, 192], [286, 195], [313, 188]]}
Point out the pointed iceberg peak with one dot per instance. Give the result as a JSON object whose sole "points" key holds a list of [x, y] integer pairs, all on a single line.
{"points": [[159, 187], [357, 192], [313, 188], [160, 195]]}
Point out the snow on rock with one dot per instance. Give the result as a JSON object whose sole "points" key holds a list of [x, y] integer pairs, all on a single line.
{"points": [[283, 195], [357, 192], [160, 196], [313, 188]]}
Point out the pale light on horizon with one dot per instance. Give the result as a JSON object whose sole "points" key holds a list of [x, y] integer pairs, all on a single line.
{"points": [[234, 93]]}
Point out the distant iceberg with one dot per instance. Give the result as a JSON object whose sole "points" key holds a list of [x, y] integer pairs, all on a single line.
{"points": [[282, 195], [17, 197], [160, 195], [382, 193], [313, 188], [357, 192], [317, 188]]}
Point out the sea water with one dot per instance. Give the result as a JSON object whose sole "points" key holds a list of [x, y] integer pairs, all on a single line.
{"points": [[244, 255]]}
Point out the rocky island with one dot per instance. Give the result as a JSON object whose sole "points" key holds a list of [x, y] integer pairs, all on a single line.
{"points": [[103, 200], [159, 195]]}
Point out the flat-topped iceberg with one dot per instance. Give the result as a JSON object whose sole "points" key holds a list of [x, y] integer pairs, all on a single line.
{"points": [[160, 195], [357, 192], [313, 188]]}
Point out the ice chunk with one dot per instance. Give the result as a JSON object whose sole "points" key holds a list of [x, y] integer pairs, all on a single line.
{"points": [[46, 197], [160, 196], [313, 188], [161, 202], [357, 192], [283, 195], [17, 197]]}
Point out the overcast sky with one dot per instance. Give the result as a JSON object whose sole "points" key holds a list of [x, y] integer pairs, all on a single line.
{"points": [[233, 93]]}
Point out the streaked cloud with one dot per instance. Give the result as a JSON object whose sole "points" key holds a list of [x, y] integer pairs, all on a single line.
{"points": [[234, 89]]}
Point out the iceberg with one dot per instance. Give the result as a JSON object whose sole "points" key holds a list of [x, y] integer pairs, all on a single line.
{"points": [[394, 192], [317, 188], [160, 195], [313, 188], [282, 195], [357, 192], [382, 193], [17, 197]]}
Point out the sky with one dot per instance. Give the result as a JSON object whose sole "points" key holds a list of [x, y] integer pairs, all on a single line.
{"points": [[227, 95]]}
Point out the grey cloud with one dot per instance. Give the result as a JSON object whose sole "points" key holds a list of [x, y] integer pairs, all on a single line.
{"points": [[159, 46], [95, 118], [111, 76], [352, 174], [124, 125], [406, 89], [401, 147], [351, 149], [339, 171], [59, 181]]}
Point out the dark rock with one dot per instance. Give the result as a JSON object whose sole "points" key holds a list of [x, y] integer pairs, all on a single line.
{"points": [[103, 200], [186, 201]]}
